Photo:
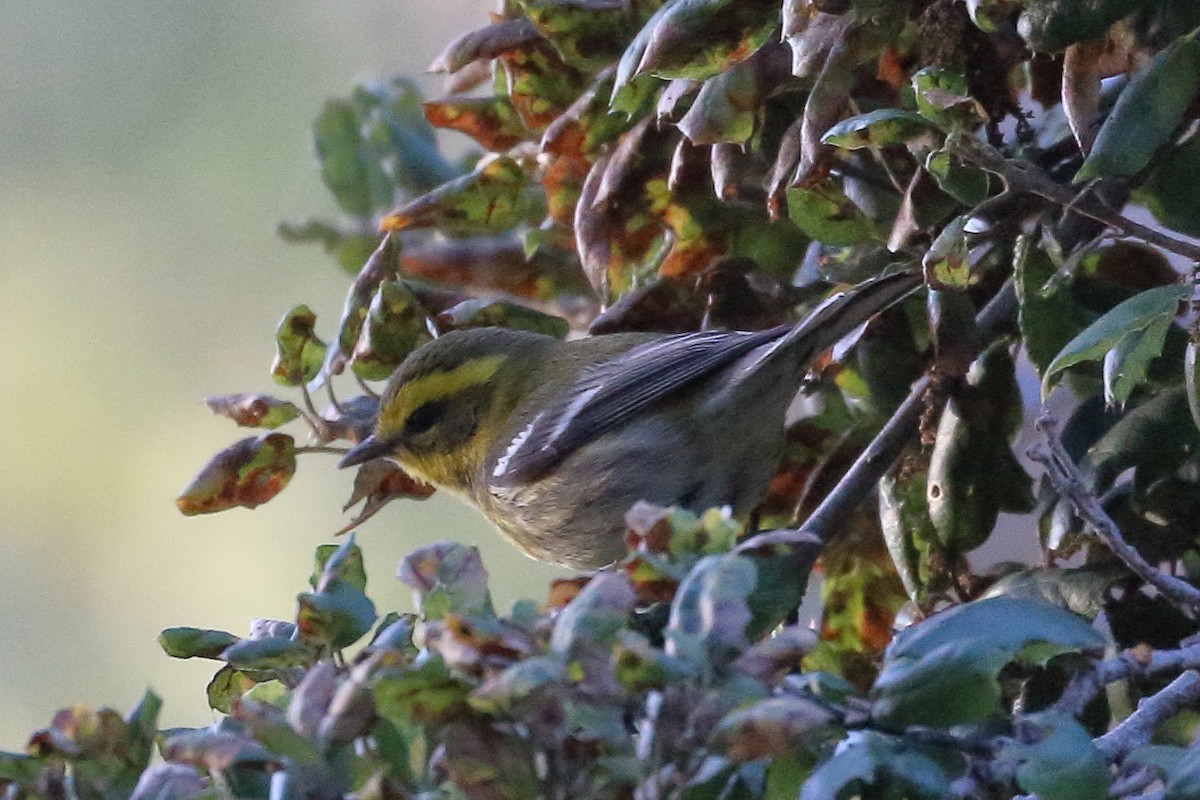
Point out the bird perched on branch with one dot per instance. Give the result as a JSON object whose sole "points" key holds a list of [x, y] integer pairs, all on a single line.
{"points": [[555, 440]]}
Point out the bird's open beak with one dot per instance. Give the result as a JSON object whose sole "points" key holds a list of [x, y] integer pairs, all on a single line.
{"points": [[368, 449]]}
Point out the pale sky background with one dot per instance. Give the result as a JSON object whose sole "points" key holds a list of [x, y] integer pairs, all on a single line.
{"points": [[147, 151]]}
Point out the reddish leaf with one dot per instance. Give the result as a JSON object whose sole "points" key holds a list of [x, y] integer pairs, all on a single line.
{"points": [[253, 410], [491, 121], [247, 473], [378, 483]]}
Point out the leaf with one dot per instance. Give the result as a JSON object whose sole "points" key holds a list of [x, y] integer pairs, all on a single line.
{"points": [[883, 127], [497, 196], [447, 577], [1049, 317], [394, 124], [248, 473], [395, 325], [253, 410], [339, 563], [1065, 764], [484, 43], [1137, 315], [425, 692], [169, 782], [536, 680], [1183, 778], [268, 653], [336, 616], [711, 612], [1191, 379], [377, 483], [270, 728], [824, 213], [1147, 112], [349, 168], [952, 684], [946, 263], [771, 728], [966, 184], [1125, 366], [501, 314], [901, 767], [195, 642], [729, 104], [588, 34], [299, 354], [943, 98], [701, 38], [1020, 628], [491, 121], [1050, 25], [589, 624], [1170, 191]]}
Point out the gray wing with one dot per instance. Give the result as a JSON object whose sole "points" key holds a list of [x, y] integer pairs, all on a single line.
{"points": [[609, 394]]}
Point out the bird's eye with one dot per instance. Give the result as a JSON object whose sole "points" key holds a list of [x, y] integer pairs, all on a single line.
{"points": [[423, 417]]}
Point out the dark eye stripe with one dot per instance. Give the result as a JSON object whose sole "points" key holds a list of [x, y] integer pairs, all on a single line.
{"points": [[424, 417]]}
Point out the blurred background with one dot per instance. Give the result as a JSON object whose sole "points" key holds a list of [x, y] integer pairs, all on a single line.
{"points": [[147, 151]]}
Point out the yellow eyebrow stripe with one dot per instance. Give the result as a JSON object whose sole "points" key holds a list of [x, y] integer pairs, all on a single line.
{"points": [[437, 385]]}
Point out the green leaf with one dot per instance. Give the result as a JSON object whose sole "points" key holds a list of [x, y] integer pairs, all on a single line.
{"points": [[247, 473], [1125, 366], [1170, 191], [1049, 317], [394, 124], [943, 98], [299, 354], [726, 109], [698, 39], [336, 617], [824, 213], [426, 693], [1028, 630], [195, 642], [896, 767], [339, 563], [883, 127], [170, 782], [1065, 764], [1183, 778], [394, 326], [271, 652], [711, 612], [501, 314], [1134, 316], [952, 684], [497, 196], [1191, 379], [349, 167], [946, 262], [1147, 112], [270, 728], [590, 623], [1051, 25], [447, 577], [539, 678], [1081, 590], [966, 184], [589, 35], [491, 121]]}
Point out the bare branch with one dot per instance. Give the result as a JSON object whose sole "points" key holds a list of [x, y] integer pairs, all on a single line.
{"points": [[1064, 475], [1135, 663], [1152, 711], [1022, 176]]}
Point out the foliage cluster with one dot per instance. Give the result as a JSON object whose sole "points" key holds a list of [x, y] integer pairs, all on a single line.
{"points": [[669, 165]]}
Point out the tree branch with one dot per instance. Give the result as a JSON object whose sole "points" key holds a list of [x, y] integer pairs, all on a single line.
{"points": [[1064, 475], [1134, 663], [1022, 176], [884, 449], [1152, 711]]}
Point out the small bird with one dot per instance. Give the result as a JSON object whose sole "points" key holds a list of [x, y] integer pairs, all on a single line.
{"points": [[555, 440]]}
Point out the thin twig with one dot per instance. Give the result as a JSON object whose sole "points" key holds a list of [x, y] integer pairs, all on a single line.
{"points": [[1022, 176], [317, 448], [1064, 475], [1152, 711]]}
